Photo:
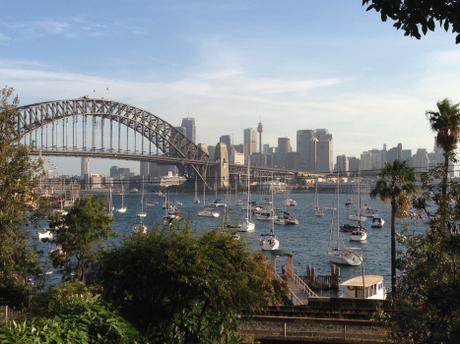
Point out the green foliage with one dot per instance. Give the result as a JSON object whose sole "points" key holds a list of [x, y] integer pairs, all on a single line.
{"points": [[77, 233], [427, 306], [18, 174], [395, 185], [179, 288], [74, 318], [416, 17]]}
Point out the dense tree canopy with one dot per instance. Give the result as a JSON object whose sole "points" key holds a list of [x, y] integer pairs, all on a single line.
{"points": [[18, 174], [179, 288], [417, 17], [76, 234]]}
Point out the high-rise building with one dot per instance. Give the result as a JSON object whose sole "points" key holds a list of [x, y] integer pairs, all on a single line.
{"points": [[324, 158], [227, 139], [84, 166], [353, 164], [284, 147], [306, 147], [394, 153], [365, 163], [420, 161], [182, 130], [406, 154], [342, 165], [315, 150], [190, 130], [250, 142], [144, 169]]}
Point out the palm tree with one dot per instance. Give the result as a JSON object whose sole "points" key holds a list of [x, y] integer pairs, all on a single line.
{"points": [[395, 185], [446, 123]]}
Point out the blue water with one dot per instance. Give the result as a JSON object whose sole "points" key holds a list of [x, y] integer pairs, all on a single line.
{"points": [[308, 241]]}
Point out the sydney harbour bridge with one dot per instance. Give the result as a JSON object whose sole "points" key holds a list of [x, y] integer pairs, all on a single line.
{"points": [[101, 128]]}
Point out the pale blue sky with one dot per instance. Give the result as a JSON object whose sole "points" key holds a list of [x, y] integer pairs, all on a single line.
{"points": [[293, 64]]}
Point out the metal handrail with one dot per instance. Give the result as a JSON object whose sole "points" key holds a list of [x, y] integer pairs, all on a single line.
{"points": [[300, 282]]}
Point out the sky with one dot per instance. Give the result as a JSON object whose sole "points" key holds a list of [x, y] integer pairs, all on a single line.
{"points": [[292, 65]]}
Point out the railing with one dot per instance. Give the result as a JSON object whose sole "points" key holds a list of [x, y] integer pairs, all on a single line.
{"points": [[8, 314], [292, 296], [300, 283]]}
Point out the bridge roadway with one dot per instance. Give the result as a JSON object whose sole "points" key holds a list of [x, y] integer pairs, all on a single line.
{"points": [[234, 169]]}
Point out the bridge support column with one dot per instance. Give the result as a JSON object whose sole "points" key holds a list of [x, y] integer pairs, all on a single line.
{"points": [[221, 171]]}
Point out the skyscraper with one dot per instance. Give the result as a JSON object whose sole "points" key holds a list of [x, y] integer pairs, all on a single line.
{"points": [[190, 131], [306, 147], [227, 139], [324, 159], [342, 164], [84, 166], [250, 142], [284, 147]]}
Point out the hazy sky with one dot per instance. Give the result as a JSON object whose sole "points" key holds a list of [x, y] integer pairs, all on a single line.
{"points": [[292, 64]]}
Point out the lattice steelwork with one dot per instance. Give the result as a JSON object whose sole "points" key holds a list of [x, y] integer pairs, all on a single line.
{"points": [[89, 125]]}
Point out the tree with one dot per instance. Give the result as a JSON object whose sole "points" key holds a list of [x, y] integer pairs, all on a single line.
{"points": [[395, 185], [446, 123], [18, 174], [180, 288], [77, 233], [418, 16]]}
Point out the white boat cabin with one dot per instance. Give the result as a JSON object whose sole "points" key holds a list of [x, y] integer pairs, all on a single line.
{"points": [[363, 287]]}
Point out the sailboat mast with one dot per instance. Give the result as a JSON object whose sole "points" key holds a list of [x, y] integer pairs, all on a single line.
{"points": [[272, 228], [248, 205], [122, 196], [142, 196], [338, 207]]}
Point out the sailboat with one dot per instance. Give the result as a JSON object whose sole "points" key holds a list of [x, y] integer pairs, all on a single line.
{"points": [[246, 225], [207, 211], [339, 254], [318, 210], [358, 215], [110, 207], [142, 214], [270, 241], [196, 200], [122, 209]]}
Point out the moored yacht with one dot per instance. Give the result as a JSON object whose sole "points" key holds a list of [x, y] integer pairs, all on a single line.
{"points": [[377, 222]]}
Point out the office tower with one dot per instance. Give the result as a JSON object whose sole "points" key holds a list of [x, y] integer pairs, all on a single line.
{"points": [[324, 159], [342, 164], [190, 131], [394, 153], [306, 147], [365, 163], [181, 130], [144, 169], [260, 130], [406, 154], [284, 147], [227, 139], [250, 142], [420, 161], [84, 166], [292, 161], [353, 165], [239, 148]]}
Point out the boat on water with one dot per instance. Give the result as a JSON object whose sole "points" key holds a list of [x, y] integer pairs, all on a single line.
{"points": [[123, 208], [269, 241], [142, 214], [140, 228], [150, 203], [368, 211], [337, 252], [45, 235], [348, 228], [265, 215], [359, 234], [171, 214], [208, 212], [246, 225], [319, 212], [286, 219], [363, 287], [377, 222], [289, 202], [218, 203]]}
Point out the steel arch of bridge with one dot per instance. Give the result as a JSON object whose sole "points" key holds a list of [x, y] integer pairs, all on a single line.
{"points": [[159, 132]]}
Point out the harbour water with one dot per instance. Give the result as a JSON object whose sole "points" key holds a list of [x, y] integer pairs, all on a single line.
{"points": [[308, 240]]}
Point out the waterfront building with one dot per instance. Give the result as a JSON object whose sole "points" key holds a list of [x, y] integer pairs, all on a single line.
{"points": [[120, 173], [144, 169], [341, 165], [259, 160], [236, 157], [284, 147], [353, 164], [420, 161], [190, 130], [84, 167], [250, 142]]}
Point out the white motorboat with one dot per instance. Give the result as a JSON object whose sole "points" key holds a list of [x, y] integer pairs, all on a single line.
{"points": [[140, 228], [368, 211], [45, 235], [363, 287], [319, 212], [269, 241], [377, 222], [264, 215], [208, 212], [357, 217], [358, 235], [289, 202], [286, 219], [218, 204], [122, 209], [246, 225]]}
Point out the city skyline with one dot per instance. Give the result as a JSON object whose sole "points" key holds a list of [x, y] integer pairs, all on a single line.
{"points": [[231, 65]]}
